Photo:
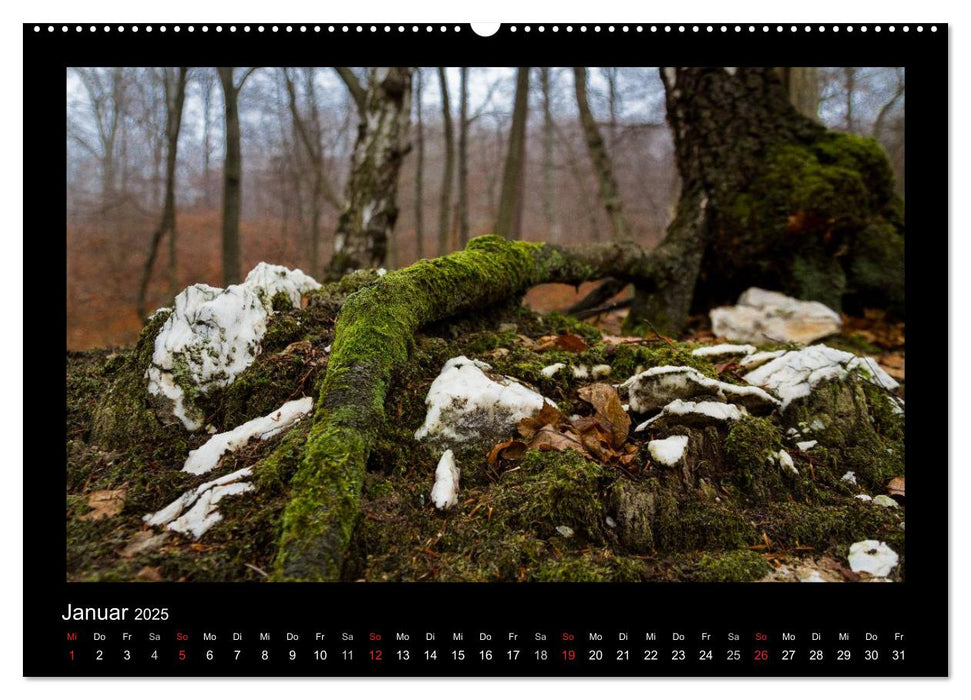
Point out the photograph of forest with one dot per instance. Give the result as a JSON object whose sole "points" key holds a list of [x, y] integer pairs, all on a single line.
{"points": [[473, 324]]}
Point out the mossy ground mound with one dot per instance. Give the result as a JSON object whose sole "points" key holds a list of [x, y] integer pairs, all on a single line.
{"points": [[550, 516]]}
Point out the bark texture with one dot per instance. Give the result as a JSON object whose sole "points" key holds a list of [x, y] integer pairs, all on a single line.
{"points": [[371, 208], [510, 201], [769, 198]]}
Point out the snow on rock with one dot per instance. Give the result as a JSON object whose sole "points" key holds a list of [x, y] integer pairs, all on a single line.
{"points": [[762, 316], [668, 451], [689, 412], [760, 358], [723, 350], [551, 370], [806, 445], [863, 497], [205, 458], [464, 403], [849, 477], [658, 386], [445, 492], [872, 557], [795, 373], [213, 334], [194, 512], [785, 461]]}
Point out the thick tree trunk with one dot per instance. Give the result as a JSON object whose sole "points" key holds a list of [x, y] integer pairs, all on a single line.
{"points": [[769, 198], [174, 101], [802, 84], [510, 210], [609, 191], [549, 213], [371, 207], [373, 337], [448, 169]]}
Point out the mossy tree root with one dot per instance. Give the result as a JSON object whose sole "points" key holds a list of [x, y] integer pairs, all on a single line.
{"points": [[374, 336]]}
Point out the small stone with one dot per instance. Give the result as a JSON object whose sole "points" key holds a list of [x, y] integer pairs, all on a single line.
{"points": [[508, 328], [885, 501], [863, 497], [806, 445], [445, 492], [565, 530], [611, 523], [551, 370], [785, 461], [849, 477], [600, 371]]}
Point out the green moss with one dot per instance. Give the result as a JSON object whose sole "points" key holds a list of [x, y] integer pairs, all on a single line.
{"points": [[751, 450], [687, 524], [729, 567], [829, 528], [600, 567], [827, 212], [281, 302]]}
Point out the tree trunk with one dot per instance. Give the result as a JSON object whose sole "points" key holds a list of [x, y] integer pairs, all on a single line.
{"points": [[601, 161], [507, 223], [371, 208], [445, 205], [419, 172], [232, 181], [174, 100], [549, 213], [207, 86], [761, 182], [802, 84], [463, 212]]}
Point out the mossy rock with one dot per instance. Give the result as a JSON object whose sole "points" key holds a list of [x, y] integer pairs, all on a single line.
{"points": [[731, 567]]}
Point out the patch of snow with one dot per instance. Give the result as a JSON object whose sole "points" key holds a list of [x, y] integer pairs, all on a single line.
{"points": [[206, 457], [806, 445], [213, 334], [863, 497], [872, 557], [723, 350], [600, 371], [668, 451], [794, 374], [445, 492], [785, 461], [814, 577], [849, 477], [760, 358], [700, 412], [194, 512], [885, 501], [580, 371], [792, 432], [550, 370], [565, 531], [658, 386], [464, 403], [763, 316], [817, 425]]}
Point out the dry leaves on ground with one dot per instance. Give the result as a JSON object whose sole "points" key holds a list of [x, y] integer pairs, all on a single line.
{"points": [[896, 487], [104, 504]]}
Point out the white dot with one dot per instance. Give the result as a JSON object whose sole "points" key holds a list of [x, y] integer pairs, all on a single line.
{"points": [[906, 28], [934, 28], [134, 28], [526, 28], [147, 29], [920, 29]]}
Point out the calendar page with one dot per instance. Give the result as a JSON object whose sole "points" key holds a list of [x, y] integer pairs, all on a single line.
{"points": [[473, 368]]}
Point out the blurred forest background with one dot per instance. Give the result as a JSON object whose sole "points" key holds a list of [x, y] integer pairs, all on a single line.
{"points": [[296, 131]]}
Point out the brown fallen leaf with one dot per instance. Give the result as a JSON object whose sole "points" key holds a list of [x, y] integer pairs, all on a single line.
{"points": [[149, 573], [567, 342], [104, 504], [609, 411], [510, 450], [498, 353], [896, 487], [547, 438], [548, 415], [143, 541]]}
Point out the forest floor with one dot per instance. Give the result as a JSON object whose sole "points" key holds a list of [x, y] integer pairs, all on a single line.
{"points": [[527, 511]]}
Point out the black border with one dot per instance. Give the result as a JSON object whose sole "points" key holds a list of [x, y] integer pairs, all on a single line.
{"points": [[919, 607]]}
